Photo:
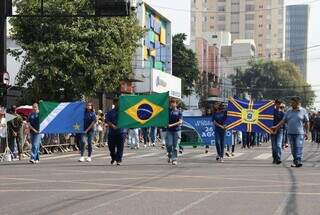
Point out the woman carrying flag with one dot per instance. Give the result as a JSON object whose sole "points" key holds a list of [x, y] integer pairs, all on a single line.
{"points": [[219, 118], [173, 135]]}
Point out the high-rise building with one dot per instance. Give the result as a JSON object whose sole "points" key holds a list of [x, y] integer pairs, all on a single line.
{"points": [[297, 36], [260, 20]]}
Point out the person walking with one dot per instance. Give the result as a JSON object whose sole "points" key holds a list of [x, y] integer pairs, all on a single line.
{"points": [[219, 118], [90, 119], [116, 136], [298, 128], [34, 125], [173, 134], [316, 127], [277, 137]]}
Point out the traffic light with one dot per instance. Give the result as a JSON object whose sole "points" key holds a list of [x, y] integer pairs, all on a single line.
{"points": [[112, 7]]}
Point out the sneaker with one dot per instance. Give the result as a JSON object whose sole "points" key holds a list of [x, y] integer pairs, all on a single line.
{"points": [[293, 165], [232, 154], [278, 162], [32, 161], [227, 154], [206, 151], [112, 162], [153, 144], [169, 160], [118, 163], [89, 159], [37, 161], [217, 158], [299, 165], [145, 145], [174, 163], [81, 159], [221, 160]]}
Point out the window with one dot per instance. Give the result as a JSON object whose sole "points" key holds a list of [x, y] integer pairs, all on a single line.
{"points": [[249, 16], [221, 18], [260, 16], [249, 26], [260, 6], [269, 26], [260, 25], [260, 35], [211, 27], [221, 0], [204, 18], [260, 45], [211, 17], [249, 7], [221, 8]]}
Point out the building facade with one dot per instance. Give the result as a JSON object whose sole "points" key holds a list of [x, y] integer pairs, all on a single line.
{"points": [[260, 20], [297, 17], [153, 59]]}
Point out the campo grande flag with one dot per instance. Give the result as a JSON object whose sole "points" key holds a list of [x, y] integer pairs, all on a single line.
{"points": [[143, 111], [250, 116], [66, 117]]}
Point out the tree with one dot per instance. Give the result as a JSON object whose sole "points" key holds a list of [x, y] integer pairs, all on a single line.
{"points": [[184, 64], [68, 58], [272, 80]]}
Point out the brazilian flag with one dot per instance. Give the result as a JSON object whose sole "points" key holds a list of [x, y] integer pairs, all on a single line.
{"points": [[143, 111]]}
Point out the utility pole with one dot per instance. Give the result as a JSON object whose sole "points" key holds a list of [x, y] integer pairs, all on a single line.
{"points": [[3, 39]]}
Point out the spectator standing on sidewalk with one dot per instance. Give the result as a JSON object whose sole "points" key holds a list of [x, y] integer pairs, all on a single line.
{"points": [[15, 134], [298, 128]]}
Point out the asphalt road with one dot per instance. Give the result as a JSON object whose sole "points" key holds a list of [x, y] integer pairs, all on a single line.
{"points": [[146, 184]]}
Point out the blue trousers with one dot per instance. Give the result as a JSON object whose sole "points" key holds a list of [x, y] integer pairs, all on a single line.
{"points": [[296, 143], [172, 140], [35, 146], [86, 138], [219, 141], [276, 142]]}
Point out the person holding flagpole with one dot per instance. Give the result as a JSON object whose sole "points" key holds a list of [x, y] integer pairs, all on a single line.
{"points": [[89, 122], [173, 134], [219, 118], [34, 125], [116, 136]]}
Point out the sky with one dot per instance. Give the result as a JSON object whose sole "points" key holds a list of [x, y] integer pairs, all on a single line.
{"points": [[178, 11]]}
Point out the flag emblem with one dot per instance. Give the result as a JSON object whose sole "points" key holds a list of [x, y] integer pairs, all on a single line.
{"points": [[65, 117], [250, 116], [144, 111], [138, 111]]}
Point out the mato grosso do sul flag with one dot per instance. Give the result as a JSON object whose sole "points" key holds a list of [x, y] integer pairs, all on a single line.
{"points": [[143, 110], [250, 116], [66, 117]]}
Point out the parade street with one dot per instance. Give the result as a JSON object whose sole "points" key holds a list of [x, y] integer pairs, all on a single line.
{"points": [[146, 184]]}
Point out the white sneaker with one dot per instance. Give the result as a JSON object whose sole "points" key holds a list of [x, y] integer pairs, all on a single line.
{"points": [[37, 161], [145, 146], [81, 159], [89, 159], [174, 162]]}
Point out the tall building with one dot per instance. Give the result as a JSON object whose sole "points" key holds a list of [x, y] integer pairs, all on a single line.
{"points": [[297, 17], [153, 58], [260, 20]]}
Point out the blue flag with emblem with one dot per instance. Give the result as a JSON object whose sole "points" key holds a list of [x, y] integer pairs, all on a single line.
{"points": [[66, 117], [250, 116]]}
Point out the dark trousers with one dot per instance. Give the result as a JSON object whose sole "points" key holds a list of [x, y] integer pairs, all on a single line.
{"points": [[116, 144]]}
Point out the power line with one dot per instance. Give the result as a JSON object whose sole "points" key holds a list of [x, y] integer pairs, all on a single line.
{"points": [[223, 12]]}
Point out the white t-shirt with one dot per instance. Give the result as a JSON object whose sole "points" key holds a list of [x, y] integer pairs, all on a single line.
{"points": [[3, 128]]}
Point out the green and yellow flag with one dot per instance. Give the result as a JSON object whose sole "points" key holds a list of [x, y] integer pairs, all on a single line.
{"points": [[143, 111]]}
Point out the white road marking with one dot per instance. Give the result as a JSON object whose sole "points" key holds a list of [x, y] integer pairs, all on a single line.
{"points": [[204, 155], [187, 207], [263, 156], [147, 155], [60, 156]]}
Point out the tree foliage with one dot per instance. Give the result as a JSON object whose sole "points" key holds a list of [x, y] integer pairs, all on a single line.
{"points": [[272, 80], [184, 64], [67, 58]]}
